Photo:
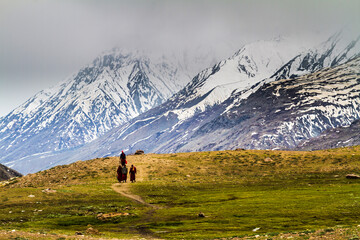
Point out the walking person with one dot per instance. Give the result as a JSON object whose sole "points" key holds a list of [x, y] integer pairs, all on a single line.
{"points": [[132, 173], [123, 161], [119, 173], [124, 172]]}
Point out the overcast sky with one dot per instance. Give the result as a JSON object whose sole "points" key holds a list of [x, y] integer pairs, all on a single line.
{"points": [[43, 42]]}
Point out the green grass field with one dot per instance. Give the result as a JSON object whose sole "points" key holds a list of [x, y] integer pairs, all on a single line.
{"points": [[272, 192]]}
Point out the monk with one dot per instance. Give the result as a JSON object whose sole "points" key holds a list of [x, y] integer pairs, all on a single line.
{"points": [[124, 172], [132, 173], [119, 174], [123, 161]]}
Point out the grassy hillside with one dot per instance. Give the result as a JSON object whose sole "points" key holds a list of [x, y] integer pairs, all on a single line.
{"points": [[241, 193]]}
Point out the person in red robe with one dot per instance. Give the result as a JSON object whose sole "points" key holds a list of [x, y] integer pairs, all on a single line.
{"points": [[132, 173]]}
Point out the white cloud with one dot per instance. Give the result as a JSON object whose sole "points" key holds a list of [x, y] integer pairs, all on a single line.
{"points": [[41, 42]]}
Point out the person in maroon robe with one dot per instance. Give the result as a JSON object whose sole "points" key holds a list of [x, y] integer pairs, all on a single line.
{"points": [[123, 161], [119, 173], [124, 172], [132, 173]]}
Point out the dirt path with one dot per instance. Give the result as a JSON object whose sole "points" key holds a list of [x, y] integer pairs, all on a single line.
{"points": [[142, 163], [125, 190]]}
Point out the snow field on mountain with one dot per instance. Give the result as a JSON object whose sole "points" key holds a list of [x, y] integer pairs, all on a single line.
{"points": [[97, 103]]}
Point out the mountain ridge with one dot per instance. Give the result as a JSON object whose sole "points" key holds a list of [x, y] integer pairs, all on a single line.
{"points": [[314, 112], [212, 93], [170, 117], [106, 93]]}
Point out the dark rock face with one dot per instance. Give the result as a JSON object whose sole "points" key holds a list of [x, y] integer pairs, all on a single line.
{"points": [[334, 138], [7, 173]]}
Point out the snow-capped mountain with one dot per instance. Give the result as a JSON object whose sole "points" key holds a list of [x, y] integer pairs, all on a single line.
{"points": [[116, 87], [280, 114], [338, 49], [283, 113], [246, 68], [237, 103], [189, 121]]}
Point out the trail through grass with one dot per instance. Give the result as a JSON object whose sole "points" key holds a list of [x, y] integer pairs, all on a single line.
{"points": [[241, 193]]}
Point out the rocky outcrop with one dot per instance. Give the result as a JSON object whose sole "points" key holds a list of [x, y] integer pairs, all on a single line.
{"points": [[139, 152], [7, 173], [352, 176]]}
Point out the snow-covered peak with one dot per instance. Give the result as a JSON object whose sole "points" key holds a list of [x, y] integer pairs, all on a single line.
{"points": [[114, 88], [247, 67], [337, 49]]}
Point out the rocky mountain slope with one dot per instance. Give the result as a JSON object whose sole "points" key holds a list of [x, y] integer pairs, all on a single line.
{"points": [[283, 113], [334, 138], [116, 87], [212, 86], [190, 120], [207, 114], [338, 49], [7, 173], [279, 114]]}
